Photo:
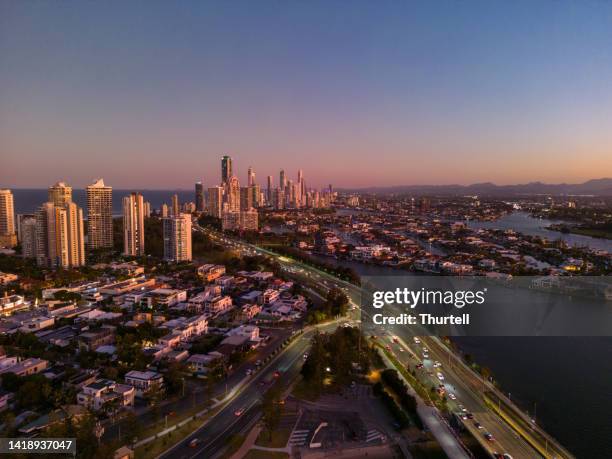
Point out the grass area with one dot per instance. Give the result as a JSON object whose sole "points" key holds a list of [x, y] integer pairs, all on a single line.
{"points": [[159, 445], [259, 454], [303, 391], [278, 439], [427, 450], [234, 442], [601, 234]]}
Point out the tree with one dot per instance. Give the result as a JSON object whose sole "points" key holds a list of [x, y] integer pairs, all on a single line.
{"points": [[271, 408]]}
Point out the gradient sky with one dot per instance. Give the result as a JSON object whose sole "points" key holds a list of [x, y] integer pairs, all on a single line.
{"points": [[356, 93]]}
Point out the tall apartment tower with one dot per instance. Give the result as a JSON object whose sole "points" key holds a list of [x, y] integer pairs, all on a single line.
{"points": [[176, 208], [233, 194], [199, 196], [133, 225], [246, 198], [60, 240], [27, 236], [60, 194], [177, 238], [269, 190], [283, 180], [99, 215], [215, 201], [8, 238], [251, 177], [226, 169]]}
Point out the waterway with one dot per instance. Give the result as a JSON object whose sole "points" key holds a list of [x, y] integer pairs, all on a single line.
{"points": [[567, 381], [522, 222]]}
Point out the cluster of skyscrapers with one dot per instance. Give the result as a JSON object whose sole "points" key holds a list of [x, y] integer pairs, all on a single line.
{"points": [[55, 234], [237, 205]]}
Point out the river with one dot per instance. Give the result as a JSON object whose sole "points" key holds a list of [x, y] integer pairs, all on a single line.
{"points": [[524, 223], [567, 379]]}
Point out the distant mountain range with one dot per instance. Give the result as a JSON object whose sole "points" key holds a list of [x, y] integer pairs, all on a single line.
{"points": [[599, 187]]}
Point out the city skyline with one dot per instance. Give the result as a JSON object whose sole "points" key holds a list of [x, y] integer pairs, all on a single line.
{"points": [[508, 93]]}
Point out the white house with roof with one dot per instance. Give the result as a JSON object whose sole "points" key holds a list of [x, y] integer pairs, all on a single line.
{"points": [[144, 381]]}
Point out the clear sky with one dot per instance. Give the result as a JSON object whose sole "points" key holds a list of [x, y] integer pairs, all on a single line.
{"points": [[356, 93]]}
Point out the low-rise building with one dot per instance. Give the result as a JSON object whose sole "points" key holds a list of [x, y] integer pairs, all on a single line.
{"points": [[144, 381], [104, 393]]}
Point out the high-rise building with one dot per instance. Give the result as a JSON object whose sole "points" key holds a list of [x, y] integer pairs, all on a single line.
{"points": [[215, 201], [99, 215], [246, 198], [251, 176], [177, 238], [60, 240], [269, 190], [133, 225], [8, 237], [233, 194], [230, 220], [278, 198], [60, 194], [199, 196], [147, 209], [176, 209], [226, 169], [283, 181], [27, 235], [164, 210], [255, 192], [249, 220]]}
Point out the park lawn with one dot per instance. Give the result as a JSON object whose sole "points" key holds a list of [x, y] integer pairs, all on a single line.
{"points": [[278, 439], [427, 450], [259, 454]]}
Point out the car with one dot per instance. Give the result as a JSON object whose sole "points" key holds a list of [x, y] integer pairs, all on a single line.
{"points": [[463, 416], [249, 372], [277, 374], [440, 376], [452, 396], [417, 340], [489, 436], [469, 415], [478, 425], [507, 456], [437, 364], [401, 349], [419, 366], [463, 408], [305, 356], [239, 412], [395, 339], [258, 363], [193, 443]]}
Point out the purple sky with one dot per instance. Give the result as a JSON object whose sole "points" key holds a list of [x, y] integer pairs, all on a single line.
{"points": [[152, 94]]}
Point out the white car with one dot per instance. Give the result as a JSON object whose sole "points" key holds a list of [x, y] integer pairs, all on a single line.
{"points": [[437, 364], [440, 376], [452, 396], [416, 340]]}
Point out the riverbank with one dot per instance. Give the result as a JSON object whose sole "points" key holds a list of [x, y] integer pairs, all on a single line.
{"points": [[589, 232]]}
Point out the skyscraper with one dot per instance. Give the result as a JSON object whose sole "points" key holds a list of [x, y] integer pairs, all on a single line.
{"points": [[176, 209], [164, 210], [27, 236], [246, 198], [133, 225], [233, 194], [99, 215], [251, 177], [226, 169], [283, 181], [269, 193], [177, 238], [199, 196], [59, 235], [60, 194], [8, 238], [215, 201]]}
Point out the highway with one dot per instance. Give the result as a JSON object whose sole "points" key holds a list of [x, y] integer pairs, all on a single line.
{"points": [[213, 435], [458, 379]]}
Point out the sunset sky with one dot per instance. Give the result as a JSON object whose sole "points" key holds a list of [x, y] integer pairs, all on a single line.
{"points": [[356, 93]]}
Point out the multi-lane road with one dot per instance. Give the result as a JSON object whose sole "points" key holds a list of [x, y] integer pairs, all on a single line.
{"points": [[241, 412], [458, 380]]}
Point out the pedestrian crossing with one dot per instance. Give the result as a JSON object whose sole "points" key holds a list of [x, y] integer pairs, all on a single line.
{"points": [[374, 435], [298, 437]]}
